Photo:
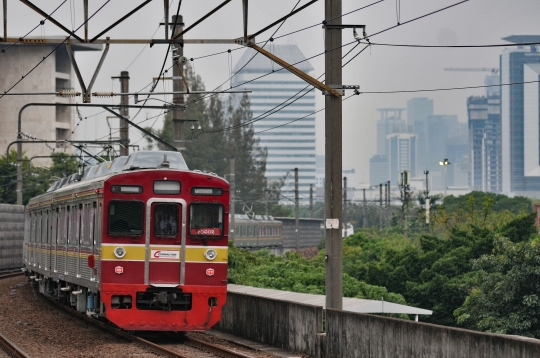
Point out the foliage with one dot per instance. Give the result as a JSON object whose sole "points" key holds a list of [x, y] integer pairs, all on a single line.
{"points": [[476, 201], [36, 180], [225, 133], [505, 298], [433, 271], [294, 273]]}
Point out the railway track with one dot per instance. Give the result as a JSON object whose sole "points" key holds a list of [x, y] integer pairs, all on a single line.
{"points": [[5, 343], [167, 349]]}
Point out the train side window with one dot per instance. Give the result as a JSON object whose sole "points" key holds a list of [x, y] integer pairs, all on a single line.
{"points": [[85, 225], [126, 218], [44, 231], [166, 220], [32, 227], [63, 224], [38, 227]]}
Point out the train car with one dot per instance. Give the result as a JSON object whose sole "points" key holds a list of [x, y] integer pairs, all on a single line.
{"points": [[257, 232], [146, 247]]}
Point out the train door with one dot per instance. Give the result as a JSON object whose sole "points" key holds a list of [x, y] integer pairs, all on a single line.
{"points": [[165, 242], [44, 238], [95, 234], [52, 240]]}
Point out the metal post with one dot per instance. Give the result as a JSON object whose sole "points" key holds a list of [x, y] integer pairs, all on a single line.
{"points": [[345, 205], [19, 170], [364, 224], [178, 86], [311, 201], [85, 5], [232, 192], [333, 161], [124, 111], [389, 204], [426, 194], [296, 210], [380, 206], [5, 20], [445, 178], [265, 196]]}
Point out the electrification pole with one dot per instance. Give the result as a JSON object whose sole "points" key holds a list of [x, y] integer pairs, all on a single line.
{"points": [[364, 223], [124, 111], [232, 192], [296, 210], [333, 158], [345, 205], [380, 207], [178, 84], [311, 200]]}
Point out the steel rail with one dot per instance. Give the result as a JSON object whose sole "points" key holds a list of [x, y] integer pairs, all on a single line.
{"points": [[5, 343], [193, 342], [11, 348]]}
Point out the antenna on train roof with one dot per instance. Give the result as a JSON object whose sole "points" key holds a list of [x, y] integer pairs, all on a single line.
{"points": [[165, 163]]}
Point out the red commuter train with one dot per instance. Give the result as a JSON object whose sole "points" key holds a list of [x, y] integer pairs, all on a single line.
{"points": [[144, 246]]}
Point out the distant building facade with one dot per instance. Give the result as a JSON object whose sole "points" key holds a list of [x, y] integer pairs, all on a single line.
{"points": [[401, 154], [520, 118], [291, 145], [418, 111], [55, 73]]}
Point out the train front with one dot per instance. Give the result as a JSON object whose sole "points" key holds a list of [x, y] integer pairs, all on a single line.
{"points": [[163, 263]]}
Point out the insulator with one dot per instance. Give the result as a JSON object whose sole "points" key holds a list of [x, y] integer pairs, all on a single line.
{"points": [[103, 94], [69, 93]]}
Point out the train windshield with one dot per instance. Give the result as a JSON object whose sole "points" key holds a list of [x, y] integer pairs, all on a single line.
{"points": [[166, 220], [155, 160], [206, 219], [126, 218]]}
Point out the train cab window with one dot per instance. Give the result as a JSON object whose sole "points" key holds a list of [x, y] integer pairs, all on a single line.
{"points": [[166, 220], [206, 220], [126, 218]]}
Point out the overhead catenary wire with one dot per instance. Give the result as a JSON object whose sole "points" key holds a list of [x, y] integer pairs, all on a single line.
{"points": [[41, 23], [50, 53]]}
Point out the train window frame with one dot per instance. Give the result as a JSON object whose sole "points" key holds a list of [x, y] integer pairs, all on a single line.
{"points": [[207, 236], [155, 219], [160, 191], [125, 234]]}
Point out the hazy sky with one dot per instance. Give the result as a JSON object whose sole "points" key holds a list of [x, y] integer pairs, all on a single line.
{"points": [[379, 68]]}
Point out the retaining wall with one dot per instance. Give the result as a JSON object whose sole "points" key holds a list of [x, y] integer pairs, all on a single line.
{"points": [[359, 335], [11, 235], [297, 327], [281, 324]]}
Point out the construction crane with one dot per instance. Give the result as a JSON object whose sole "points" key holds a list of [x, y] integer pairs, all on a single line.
{"points": [[474, 69]]}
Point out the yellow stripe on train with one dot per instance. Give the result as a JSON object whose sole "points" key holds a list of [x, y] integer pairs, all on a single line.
{"points": [[164, 253]]}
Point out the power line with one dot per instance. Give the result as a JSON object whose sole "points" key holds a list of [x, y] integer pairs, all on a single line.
{"points": [[50, 53], [41, 23], [453, 46], [449, 89]]}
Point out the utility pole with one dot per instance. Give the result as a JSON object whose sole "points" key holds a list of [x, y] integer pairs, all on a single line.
{"points": [[380, 207], [265, 196], [178, 84], [344, 206], [389, 204], [333, 158], [404, 184], [364, 224], [427, 198], [296, 210], [124, 111], [311, 201], [232, 192]]}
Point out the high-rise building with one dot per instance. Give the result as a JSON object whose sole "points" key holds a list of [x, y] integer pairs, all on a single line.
{"points": [[418, 111], [389, 122], [290, 145], [401, 154], [485, 142], [520, 118], [378, 169], [55, 73]]}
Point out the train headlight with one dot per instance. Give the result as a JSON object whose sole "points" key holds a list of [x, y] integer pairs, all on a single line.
{"points": [[210, 254], [119, 252]]}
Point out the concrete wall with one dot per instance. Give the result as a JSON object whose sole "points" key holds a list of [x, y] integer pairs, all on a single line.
{"points": [[359, 335], [11, 235], [281, 324]]}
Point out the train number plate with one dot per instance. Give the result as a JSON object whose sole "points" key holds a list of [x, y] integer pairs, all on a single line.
{"points": [[206, 232]]}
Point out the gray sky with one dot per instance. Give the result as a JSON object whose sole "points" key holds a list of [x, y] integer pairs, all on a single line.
{"points": [[376, 69]]}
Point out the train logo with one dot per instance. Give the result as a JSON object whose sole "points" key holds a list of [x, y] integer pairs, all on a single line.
{"points": [[210, 272], [119, 269]]}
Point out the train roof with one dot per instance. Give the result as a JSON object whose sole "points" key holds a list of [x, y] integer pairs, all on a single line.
{"points": [[136, 164]]}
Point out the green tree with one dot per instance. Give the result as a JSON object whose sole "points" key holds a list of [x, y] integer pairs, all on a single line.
{"points": [[506, 295]]}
